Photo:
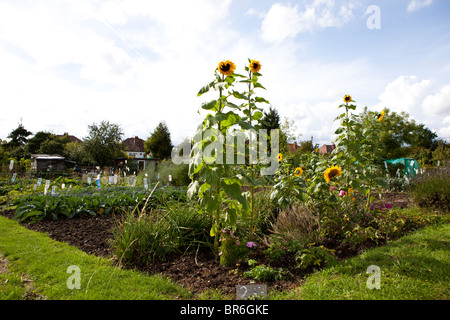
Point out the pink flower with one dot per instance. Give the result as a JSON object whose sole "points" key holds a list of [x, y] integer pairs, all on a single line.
{"points": [[220, 253], [341, 193], [388, 206], [332, 188], [251, 244]]}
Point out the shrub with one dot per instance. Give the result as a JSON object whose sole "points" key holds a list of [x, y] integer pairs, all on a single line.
{"points": [[263, 272], [433, 192], [231, 249], [314, 256]]}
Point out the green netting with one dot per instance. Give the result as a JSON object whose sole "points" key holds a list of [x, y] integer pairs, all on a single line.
{"points": [[411, 166]]}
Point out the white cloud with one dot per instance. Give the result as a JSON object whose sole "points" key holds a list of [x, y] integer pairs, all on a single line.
{"points": [[439, 103], [421, 100], [405, 93], [415, 5], [286, 21]]}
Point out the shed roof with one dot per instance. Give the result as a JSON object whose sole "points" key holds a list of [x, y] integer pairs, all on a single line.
{"points": [[47, 157]]}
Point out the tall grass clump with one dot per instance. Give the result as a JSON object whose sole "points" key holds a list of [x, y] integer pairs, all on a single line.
{"points": [[142, 237], [432, 192]]}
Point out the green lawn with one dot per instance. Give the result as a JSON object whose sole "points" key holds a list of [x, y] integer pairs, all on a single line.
{"points": [[36, 257], [416, 266]]}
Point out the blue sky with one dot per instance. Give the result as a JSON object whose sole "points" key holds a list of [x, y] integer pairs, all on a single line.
{"points": [[67, 64]]}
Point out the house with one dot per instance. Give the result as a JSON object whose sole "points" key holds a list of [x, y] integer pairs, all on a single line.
{"points": [[134, 147], [293, 147], [71, 138], [327, 149], [48, 162]]}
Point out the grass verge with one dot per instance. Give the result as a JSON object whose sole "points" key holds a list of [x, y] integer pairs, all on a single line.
{"points": [[414, 267], [45, 263]]}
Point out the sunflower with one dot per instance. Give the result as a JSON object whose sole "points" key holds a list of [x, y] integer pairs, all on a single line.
{"points": [[226, 67], [280, 157], [332, 172], [381, 116], [254, 66], [298, 171], [347, 98]]}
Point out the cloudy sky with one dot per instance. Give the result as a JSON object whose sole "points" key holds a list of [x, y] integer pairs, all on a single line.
{"points": [[67, 64]]}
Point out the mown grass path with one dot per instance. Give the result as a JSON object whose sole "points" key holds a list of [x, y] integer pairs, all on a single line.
{"points": [[414, 267], [46, 263]]}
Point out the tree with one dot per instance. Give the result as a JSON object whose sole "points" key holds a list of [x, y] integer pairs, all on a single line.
{"points": [[159, 143], [34, 144], [103, 143], [271, 119], [54, 145], [18, 137], [75, 151], [402, 137]]}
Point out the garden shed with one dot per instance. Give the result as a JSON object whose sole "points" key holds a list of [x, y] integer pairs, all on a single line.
{"points": [[411, 166], [48, 162]]}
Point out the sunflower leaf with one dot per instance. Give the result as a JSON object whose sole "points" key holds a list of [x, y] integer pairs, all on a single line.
{"points": [[205, 88], [259, 99], [212, 105], [239, 95], [258, 85]]}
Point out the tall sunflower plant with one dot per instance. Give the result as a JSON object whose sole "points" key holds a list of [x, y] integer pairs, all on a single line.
{"points": [[351, 171], [357, 154], [218, 184]]}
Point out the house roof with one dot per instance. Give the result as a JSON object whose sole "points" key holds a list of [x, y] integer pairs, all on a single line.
{"points": [[71, 138], [134, 144]]}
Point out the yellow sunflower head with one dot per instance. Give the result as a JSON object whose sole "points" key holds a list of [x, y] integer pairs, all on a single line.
{"points": [[254, 66], [298, 171], [280, 157], [226, 67], [347, 98], [332, 172], [381, 116]]}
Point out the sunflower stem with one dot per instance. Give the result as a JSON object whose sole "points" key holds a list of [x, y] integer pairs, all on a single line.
{"points": [[252, 187], [217, 216]]}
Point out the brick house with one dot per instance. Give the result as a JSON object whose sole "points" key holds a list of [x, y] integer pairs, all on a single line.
{"points": [[135, 149], [327, 149]]}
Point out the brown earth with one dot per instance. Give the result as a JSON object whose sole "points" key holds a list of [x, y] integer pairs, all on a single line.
{"points": [[198, 272]]}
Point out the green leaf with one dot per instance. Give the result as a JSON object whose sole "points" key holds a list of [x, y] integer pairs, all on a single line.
{"points": [[245, 125], [258, 85], [213, 231], [257, 115], [259, 99], [233, 189], [239, 95], [192, 190], [212, 105], [230, 80], [205, 88]]}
